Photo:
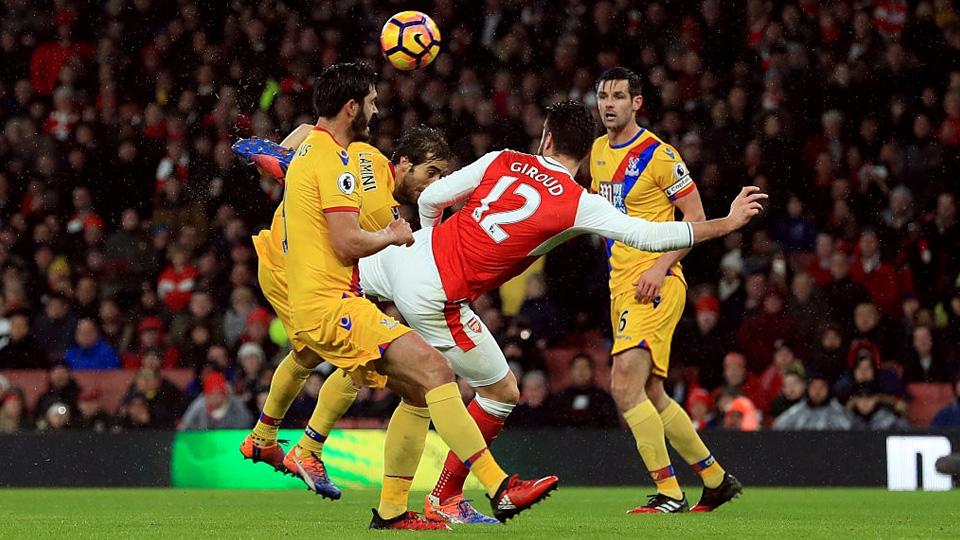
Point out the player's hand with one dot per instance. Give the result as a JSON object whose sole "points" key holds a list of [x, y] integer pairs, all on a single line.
{"points": [[649, 285], [745, 206], [400, 232]]}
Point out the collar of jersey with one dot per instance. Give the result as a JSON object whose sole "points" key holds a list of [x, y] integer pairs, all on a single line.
{"points": [[325, 130], [550, 162], [628, 143]]}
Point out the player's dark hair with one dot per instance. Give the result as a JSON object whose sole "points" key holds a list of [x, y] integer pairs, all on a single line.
{"points": [[340, 83], [420, 143], [573, 128], [622, 74]]}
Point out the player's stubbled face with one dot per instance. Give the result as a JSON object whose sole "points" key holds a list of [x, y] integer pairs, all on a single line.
{"points": [[419, 177], [361, 123], [615, 104]]}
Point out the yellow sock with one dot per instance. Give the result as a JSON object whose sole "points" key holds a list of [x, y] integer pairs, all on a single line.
{"points": [[336, 396], [406, 436], [647, 429], [687, 443], [288, 381], [462, 435]]}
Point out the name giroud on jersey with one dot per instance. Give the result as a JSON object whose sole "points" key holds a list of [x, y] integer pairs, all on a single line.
{"points": [[554, 187]]}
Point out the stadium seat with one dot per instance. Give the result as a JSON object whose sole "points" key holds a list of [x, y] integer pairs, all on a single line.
{"points": [[928, 398]]}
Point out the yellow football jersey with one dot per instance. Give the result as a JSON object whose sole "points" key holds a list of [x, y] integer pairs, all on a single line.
{"points": [[377, 209], [641, 178], [321, 179]]}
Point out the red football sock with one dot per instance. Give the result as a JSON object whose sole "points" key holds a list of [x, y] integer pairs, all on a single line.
{"points": [[454, 471]]}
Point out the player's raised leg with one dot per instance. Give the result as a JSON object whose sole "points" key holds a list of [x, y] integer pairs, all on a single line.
{"points": [[484, 367], [719, 486], [412, 362]]}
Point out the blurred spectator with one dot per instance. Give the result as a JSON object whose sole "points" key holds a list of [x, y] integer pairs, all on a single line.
{"points": [[949, 415], [90, 414], [877, 277], [116, 330], [199, 312], [217, 408], [583, 403], [150, 337], [54, 329], [738, 381], [177, 280], [868, 412], [23, 350], [538, 310], [760, 330], [251, 375], [235, 321], [819, 411], [806, 308], [791, 392], [134, 414], [257, 331], [90, 351], [796, 232], [161, 396], [842, 294], [535, 408], [830, 357], [55, 418], [14, 416], [700, 408], [702, 343], [61, 388], [741, 415], [784, 361], [923, 361], [865, 369]]}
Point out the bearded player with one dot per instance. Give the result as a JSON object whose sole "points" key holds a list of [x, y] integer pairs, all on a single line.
{"points": [[321, 240], [646, 178], [518, 207]]}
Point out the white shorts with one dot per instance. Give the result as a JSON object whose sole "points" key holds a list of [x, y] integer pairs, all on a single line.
{"points": [[409, 278]]}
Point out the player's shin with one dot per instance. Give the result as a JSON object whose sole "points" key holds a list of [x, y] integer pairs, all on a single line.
{"points": [[287, 382], [685, 440], [489, 416], [647, 429], [406, 435], [336, 395], [462, 435]]}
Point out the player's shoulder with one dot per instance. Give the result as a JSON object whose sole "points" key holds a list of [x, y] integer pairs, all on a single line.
{"points": [[321, 146], [665, 151], [366, 150], [600, 143]]}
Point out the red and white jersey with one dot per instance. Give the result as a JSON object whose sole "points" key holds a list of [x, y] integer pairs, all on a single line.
{"points": [[518, 207]]}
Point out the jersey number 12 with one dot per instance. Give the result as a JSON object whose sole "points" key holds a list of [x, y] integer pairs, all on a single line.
{"points": [[492, 223]]}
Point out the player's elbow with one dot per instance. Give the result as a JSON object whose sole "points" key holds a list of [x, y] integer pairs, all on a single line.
{"points": [[346, 248]]}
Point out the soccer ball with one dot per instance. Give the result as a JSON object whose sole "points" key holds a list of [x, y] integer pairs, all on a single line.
{"points": [[410, 40]]}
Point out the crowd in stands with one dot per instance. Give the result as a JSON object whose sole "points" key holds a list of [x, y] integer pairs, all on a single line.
{"points": [[125, 220]]}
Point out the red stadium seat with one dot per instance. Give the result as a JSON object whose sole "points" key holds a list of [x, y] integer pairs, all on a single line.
{"points": [[112, 384], [928, 398]]}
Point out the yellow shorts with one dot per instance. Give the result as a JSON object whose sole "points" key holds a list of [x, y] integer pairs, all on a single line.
{"points": [[273, 284], [649, 326], [355, 334]]}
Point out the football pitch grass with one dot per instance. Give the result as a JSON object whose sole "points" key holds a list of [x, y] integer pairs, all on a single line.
{"points": [[570, 513]]}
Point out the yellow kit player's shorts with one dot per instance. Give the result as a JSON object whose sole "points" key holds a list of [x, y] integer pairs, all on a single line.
{"points": [[273, 284], [355, 334], [649, 326]]}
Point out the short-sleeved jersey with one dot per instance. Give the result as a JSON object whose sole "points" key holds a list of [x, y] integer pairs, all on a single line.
{"points": [[642, 178], [322, 179], [378, 208], [519, 206]]}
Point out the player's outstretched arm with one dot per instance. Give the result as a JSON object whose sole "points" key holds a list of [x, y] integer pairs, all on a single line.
{"points": [[598, 216], [350, 242], [296, 137], [747, 204]]}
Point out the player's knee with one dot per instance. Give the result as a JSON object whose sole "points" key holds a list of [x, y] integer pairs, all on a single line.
{"points": [[307, 358], [505, 391]]}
